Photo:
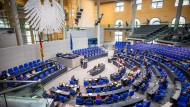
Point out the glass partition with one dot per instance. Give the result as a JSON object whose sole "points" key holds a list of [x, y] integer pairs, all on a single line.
{"points": [[26, 96]]}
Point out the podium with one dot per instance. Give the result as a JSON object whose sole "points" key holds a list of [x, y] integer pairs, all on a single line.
{"points": [[109, 60]]}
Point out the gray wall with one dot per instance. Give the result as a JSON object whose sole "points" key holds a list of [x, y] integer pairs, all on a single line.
{"points": [[7, 39], [89, 33], [14, 56]]}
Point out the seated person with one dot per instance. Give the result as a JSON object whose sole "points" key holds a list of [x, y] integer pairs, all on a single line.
{"points": [[80, 95], [14, 83], [108, 98], [1, 76], [118, 84], [28, 75], [141, 87], [89, 99], [74, 79], [188, 69], [95, 67], [186, 92], [99, 65], [34, 72], [148, 74], [98, 97], [107, 88], [48, 94], [22, 77], [163, 82], [89, 86], [61, 84], [7, 74], [144, 80]]}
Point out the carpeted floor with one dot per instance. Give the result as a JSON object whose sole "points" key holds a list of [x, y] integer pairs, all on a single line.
{"points": [[109, 69]]}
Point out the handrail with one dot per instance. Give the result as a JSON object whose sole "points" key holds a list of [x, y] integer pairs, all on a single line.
{"points": [[19, 87], [5, 81]]}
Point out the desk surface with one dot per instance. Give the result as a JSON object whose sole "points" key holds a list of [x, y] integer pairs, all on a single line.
{"points": [[155, 71], [153, 90], [54, 90], [90, 79], [107, 93], [26, 71], [178, 91]]}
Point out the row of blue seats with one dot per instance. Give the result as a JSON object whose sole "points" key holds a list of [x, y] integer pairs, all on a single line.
{"points": [[143, 104], [185, 95], [178, 73], [120, 45], [93, 83], [43, 75], [21, 68], [114, 98], [98, 90]]}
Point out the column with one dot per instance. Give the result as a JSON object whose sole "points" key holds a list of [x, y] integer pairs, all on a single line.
{"points": [[16, 22], [178, 14], [98, 26], [64, 28], [87, 18], [134, 8]]}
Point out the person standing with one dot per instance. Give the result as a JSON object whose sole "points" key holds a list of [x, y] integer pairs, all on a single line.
{"points": [[81, 62]]}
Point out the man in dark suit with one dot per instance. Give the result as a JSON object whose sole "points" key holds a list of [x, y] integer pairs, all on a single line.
{"points": [[81, 62]]}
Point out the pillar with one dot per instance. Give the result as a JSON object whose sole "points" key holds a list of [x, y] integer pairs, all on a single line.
{"points": [[98, 26], [87, 18], [16, 22], [178, 14], [64, 28], [134, 8]]}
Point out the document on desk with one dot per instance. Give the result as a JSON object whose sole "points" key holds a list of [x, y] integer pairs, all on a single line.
{"points": [[58, 91]]}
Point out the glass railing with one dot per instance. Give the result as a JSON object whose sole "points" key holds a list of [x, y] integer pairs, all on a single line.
{"points": [[27, 95]]}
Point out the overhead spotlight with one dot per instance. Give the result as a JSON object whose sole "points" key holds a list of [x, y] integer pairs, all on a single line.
{"points": [[99, 19]]}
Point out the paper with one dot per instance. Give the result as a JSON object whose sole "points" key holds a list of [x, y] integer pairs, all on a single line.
{"points": [[58, 91]]}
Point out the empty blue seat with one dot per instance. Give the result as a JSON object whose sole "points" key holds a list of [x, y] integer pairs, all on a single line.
{"points": [[59, 88], [97, 90], [46, 61], [100, 82], [15, 72], [62, 98], [146, 103], [93, 83], [35, 79], [10, 70], [138, 105], [182, 101], [3, 72], [39, 69], [52, 70], [72, 82], [79, 101], [41, 76], [157, 97], [89, 102], [48, 65], [86, 83], [22, 70], [21, 66], [38, 60], [131, 93], [72, 93], [115, 98], [99, 102], [109, 101], [113, 88], [47, 73], [124, 96], [89, 91]]}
